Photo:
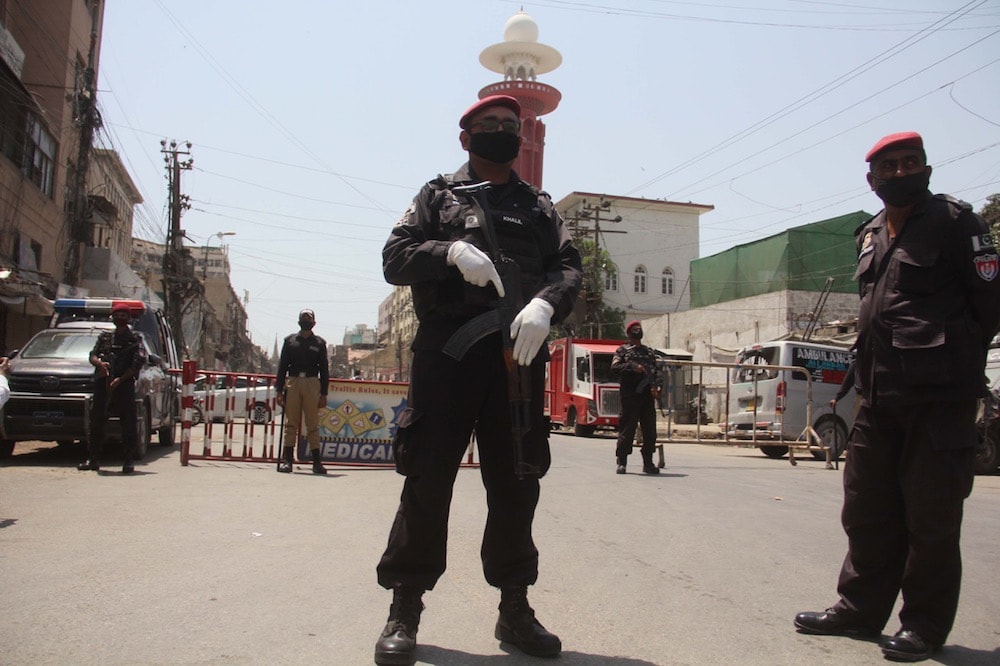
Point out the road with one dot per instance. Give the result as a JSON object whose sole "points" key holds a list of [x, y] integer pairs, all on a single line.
{"points": [[231, 563]]}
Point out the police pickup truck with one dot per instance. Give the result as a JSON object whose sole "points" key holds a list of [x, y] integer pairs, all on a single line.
{"points": [[52, 380]]}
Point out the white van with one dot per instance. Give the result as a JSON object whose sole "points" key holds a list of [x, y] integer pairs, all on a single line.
{"points": [[777, 409]]}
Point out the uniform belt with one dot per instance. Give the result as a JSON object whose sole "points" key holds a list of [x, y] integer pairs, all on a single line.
{"points": [[304, 374]]}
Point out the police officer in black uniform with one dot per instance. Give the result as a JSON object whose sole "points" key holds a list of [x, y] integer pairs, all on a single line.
{"points": [[440, 250], [302, 384], [640, 382], [118, 356], [930, 303]]}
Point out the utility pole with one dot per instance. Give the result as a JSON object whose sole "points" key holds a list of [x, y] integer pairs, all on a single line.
{"points": [[178, 269], [87, 118], [577, 223]]}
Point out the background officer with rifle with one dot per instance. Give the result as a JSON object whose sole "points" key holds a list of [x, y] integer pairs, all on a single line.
{"points": [[491, 267], [640, 380], [118, 356]]}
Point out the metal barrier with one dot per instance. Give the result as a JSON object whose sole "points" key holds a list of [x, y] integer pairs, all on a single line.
{"points": [[808, 440], [241, 420]]}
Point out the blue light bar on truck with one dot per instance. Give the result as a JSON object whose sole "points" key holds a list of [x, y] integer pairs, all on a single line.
{"points": [[97, 305]]}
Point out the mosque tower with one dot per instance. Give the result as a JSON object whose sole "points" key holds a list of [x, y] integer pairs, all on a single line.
{"points": [[520, 58]]}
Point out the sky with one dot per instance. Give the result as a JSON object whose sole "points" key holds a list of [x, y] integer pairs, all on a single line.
{"points": [[314, 123]]}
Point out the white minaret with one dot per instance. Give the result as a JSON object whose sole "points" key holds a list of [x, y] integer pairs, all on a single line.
{"points": [[520, 58]]}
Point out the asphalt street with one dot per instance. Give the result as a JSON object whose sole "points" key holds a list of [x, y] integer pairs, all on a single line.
{"points": [[232, 563]]}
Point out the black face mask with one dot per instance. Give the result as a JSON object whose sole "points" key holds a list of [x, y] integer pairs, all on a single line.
{"points": [[902, 190], [635, 333], [499, 147], [306, 325]]}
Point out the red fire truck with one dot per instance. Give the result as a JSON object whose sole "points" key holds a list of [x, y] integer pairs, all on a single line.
{"points": [[580, 391]]}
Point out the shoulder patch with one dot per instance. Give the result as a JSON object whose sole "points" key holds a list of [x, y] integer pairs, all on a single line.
{"points": [[987, 266], [406, 214], [981, 242], [866, 245]]}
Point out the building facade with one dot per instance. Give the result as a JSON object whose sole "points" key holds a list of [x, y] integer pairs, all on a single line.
{"points": [[49, 57]]}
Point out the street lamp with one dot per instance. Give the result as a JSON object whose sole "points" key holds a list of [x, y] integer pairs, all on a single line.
{"points": [[219, 235]]}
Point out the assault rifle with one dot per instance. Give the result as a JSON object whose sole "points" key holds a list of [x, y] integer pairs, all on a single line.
{"points": [[499, 319]]}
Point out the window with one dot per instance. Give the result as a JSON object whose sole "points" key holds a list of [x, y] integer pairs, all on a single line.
{"points": [[611, 278], [39, 156], [667, 287], [640, 279], [753, 363]]}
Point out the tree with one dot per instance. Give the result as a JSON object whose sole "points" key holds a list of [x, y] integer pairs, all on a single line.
{"points": [[599, 320], [991, 213]]}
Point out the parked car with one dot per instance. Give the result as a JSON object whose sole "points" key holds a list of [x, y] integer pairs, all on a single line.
{"points": [[52, 380], [253, 397]]}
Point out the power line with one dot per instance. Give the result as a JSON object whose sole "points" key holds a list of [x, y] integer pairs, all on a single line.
{"points": [[814, 95]]}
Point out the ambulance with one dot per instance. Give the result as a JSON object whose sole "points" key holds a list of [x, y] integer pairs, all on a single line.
{"points": [[770, 405]]}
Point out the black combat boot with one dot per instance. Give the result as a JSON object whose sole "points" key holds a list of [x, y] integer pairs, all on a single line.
{"points": [[517, 625], [398, 641], [285, 466], [317, 464], [89, 464], [648, 467]]}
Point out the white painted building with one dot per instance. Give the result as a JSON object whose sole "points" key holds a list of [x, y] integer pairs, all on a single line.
{"points": [[650, 242]]}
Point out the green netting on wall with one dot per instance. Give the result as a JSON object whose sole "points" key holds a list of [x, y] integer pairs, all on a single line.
{"points": [[800, 258]]}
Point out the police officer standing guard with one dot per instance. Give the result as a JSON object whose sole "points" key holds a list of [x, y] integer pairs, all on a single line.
{"points": [[118, 356], [440, 248], [640, 381], [303, 381], [930, 304]]}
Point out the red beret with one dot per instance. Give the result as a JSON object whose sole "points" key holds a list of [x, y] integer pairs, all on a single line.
{"points": [[492, 100], [121, 307], [634, 322], [895, 142]]}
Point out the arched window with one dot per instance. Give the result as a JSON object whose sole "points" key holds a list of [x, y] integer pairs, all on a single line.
{"points": [[667, 287], [610, 277], [640, 279]]}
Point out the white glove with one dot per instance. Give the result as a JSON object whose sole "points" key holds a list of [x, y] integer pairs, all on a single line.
{"points": [[530, 328], [474, 265]]}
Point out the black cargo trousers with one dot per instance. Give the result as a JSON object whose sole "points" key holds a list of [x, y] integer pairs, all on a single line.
{"points": [[908, 472], [448, 399], [120, 402], [638, 409]]}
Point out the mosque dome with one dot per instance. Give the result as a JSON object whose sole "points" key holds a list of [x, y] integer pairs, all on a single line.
{"points": [[519, 56], [520, 28]]}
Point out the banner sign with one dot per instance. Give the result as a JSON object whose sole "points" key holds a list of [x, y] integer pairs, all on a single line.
{"points": [[358, 422], [826, 366]]}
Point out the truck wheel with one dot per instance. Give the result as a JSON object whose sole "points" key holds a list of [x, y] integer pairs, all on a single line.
{"points": [[143, 427], [583, 431], [6, 448], [833, 433], [259, 413], [165, 435], [987, 452], [774, 451]]}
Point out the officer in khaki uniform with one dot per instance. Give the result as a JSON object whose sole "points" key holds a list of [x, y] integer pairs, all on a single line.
{"points": [[303, 380]]}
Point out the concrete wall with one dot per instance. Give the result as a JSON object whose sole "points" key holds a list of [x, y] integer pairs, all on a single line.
{"points": [[716, 333]]}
